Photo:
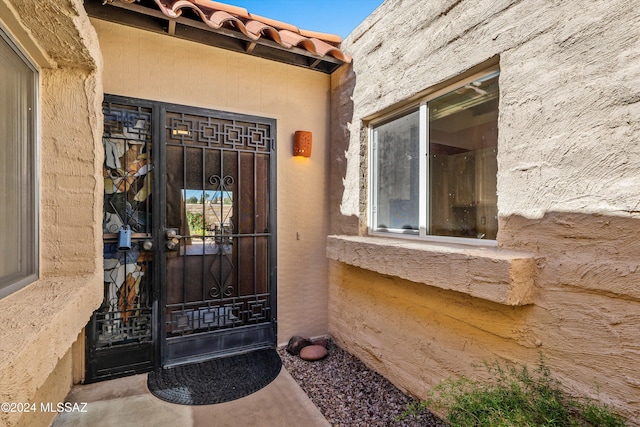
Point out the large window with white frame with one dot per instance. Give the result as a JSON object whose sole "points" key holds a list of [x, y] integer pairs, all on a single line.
{"points": [[18, 169], [434, 165]]}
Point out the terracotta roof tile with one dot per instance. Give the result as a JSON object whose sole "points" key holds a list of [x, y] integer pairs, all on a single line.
{"points": [[259, 27], [217, 15], [275, 24], [330, 38], [234, 10]]}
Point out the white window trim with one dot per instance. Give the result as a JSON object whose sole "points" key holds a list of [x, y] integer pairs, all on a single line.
{"points": [[423, 220]]}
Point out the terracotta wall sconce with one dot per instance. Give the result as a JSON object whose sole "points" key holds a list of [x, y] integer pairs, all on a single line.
{"points": [[302, 143]]}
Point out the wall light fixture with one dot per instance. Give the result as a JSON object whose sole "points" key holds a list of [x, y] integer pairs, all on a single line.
{"points": [[302, 143]]}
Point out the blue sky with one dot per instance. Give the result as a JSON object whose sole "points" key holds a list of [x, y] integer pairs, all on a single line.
{"points": [[327, 16]]}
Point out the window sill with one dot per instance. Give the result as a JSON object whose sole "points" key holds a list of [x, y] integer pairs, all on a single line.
{"points": [[501, 276]]}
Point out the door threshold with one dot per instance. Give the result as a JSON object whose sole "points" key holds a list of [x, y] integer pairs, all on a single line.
{"points": [[215, 355]]}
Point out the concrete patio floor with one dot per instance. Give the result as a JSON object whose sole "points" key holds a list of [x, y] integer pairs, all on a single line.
{"points": [[127, 401]]}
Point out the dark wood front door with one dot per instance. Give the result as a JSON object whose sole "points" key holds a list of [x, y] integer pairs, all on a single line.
{"points": [[219, 231]]}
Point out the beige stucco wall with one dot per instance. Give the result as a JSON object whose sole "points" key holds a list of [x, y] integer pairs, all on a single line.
{"points": [[568, 193], [39, 323], [158, 67]]}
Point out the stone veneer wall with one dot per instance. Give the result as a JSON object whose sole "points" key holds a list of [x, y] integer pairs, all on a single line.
{"points": [[568, 196], [40, 323]]}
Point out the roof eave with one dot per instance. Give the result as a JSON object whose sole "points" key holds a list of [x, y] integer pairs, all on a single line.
{"points": [[151, 19]]}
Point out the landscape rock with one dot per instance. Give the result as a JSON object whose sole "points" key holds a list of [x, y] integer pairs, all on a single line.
{"points": [[297, 343], [348, 393], [313, 352]]}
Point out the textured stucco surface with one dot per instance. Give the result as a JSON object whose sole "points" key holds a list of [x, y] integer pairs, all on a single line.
{"points": [[39, 323], [497, 275], [193, 74], [62, 30], [416, 335], [552, 60], [54, 389], [568, 191]]}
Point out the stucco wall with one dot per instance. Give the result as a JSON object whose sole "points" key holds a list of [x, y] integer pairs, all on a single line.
{"points": [[197, 75], [39, 323], [568, 191]]}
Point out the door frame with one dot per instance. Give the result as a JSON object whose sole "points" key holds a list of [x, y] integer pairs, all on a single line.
{"points": [[267, 332]]}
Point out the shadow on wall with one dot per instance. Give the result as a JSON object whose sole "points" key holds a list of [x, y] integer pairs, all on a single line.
{"points": [[416, 335], [343, 82], [589, 251], [584, 317]]}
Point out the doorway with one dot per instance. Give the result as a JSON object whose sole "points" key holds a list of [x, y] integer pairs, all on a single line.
{"points": [[194, 189]]}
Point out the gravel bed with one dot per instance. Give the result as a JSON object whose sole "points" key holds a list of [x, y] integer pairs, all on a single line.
{"points": [[350, 394]]}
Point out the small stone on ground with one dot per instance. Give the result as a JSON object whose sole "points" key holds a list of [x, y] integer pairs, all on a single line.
{"points": [[313, 352], [297, 343]]}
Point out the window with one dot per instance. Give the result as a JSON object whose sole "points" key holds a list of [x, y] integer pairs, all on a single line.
{"points": [[434, 166], [18, 208]]}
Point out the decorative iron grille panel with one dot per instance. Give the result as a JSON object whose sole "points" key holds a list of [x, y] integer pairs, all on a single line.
{"points": [[218, 196], [125, 315], [217, 132], [216, 191], [207, 316]]}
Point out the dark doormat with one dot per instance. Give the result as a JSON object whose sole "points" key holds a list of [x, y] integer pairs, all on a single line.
{"points": [[217, 380]]}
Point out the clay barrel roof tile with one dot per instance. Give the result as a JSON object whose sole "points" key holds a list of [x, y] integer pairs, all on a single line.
{"points": [[216, 15]]}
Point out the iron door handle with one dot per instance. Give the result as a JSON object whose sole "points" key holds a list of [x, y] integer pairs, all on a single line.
{"points": [[173, 238]]}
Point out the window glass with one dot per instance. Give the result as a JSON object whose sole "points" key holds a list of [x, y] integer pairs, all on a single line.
{"points": [[17, 170], [398, 174], [453, 191], [463, 145]]}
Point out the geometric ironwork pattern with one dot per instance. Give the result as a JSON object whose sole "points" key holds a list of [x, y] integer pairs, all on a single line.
{"points": [[219, 314], [218, 193], [113, 330], [125, 314], [217, 177], [183, 128], [120, 334]]}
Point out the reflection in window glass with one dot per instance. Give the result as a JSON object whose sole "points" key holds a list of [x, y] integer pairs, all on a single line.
{"points": [[18, 206], [463, 145], [454, 192], [397, 149]]}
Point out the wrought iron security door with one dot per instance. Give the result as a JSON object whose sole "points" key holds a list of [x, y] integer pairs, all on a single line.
{"points": [[197, 278], [120, 335], [219, 234]]}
